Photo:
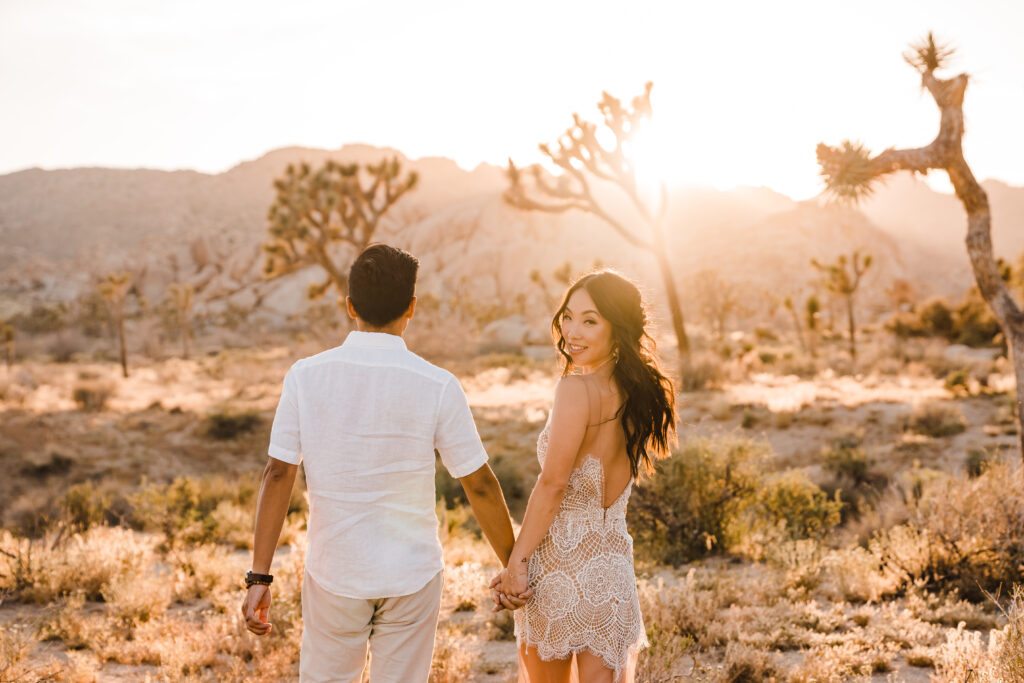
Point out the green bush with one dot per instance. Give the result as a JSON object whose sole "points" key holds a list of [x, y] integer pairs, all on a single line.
{"points": [[937, 419], [92, 395], [205, 510], [688, 508], [793, 503], [227, 425]]}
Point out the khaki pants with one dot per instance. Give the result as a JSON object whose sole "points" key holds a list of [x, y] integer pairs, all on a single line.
{"points": [[336, 630]]}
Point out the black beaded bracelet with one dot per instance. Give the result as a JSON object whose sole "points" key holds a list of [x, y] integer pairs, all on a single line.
{"points": [[252, 579]]}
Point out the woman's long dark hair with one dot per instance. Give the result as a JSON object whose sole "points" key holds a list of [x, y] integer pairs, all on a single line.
{"points": [[648, 412]]}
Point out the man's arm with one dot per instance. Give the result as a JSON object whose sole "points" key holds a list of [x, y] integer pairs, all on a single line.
{"points": [[271, 509], [488, 503]]}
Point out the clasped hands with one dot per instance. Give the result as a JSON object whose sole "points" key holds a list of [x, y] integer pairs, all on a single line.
{"points": [[510, 589]]}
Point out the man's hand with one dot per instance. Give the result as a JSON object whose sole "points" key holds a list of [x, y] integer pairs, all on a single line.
{"points": [[256, 609], [506, 600]]}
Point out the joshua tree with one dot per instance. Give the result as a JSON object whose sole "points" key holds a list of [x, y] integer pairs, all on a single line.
{"points": [[183, 295], [718, 299], [843, 278], [316, 211], [812, 307], [8, 335], [585, 163], [114, 290], [850, 173], [787, 303]]}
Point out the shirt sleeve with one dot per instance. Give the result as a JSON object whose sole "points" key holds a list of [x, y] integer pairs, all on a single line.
{"points": [[284, 434], [455, 437]]}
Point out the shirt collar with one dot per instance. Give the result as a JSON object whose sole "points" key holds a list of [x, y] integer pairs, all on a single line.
{"points": [[374, 340]]}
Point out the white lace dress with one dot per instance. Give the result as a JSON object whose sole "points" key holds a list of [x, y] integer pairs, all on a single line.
{"points": [[582, 574]]}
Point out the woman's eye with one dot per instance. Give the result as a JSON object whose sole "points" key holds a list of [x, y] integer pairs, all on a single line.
{"points": [[589, 322]]}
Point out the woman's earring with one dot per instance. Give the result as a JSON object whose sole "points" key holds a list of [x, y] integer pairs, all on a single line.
{"points": [[615, 353]]}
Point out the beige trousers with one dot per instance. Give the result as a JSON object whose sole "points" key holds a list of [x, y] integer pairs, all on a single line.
{"points": [[399, 631]]}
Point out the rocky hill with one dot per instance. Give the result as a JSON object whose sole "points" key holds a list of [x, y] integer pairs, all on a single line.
{"points": [[60, 230]]}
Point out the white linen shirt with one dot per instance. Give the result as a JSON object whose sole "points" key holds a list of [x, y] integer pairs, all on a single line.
{"points": [[365, 417]]}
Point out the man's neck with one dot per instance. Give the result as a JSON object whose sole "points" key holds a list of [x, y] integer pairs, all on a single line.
{"points": [[396, 330]]}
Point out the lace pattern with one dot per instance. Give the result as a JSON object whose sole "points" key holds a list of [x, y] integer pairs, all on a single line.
{"points": [[582, 574]]}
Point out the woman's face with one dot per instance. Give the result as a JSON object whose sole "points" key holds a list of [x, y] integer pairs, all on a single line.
{"points": [[588, 336]]}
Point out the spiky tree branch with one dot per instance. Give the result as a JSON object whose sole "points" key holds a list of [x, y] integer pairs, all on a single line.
{"points": [[316, 210], [114, 290], [850, 173], [582, 160]]}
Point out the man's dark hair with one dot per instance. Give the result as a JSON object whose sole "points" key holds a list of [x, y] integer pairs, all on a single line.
{"points": [[381, 283]]}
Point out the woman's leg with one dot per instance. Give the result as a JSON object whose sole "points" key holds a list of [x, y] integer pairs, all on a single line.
{"points": [[593, 670], [539, 671]]}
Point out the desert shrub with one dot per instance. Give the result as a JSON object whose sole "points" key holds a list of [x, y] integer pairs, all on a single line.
{"points": [[92, 394], [682, 607], [849, 463], [796, 506], [701, 371], [749, 419], [688, 507], [977, 460], [964, 534], [44, 570], [937, 419], [958, 381], [936, 319], [193, 510], [784, 419], [744, 664], [452, 662], [667, 657], [82, 507], [767, 357], [975, 323], [231, 425]]}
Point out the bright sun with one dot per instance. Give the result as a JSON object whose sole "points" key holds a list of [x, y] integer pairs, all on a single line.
{"points": [[656, 160]]}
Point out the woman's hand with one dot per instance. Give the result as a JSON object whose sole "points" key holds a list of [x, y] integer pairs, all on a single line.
{"points": [[256, 609], [510, 590]]}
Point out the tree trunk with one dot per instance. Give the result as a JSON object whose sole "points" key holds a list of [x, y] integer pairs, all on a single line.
{"points": [[186, 332], [665, 268], [852, 327], [1016, 344], [986, 272], [123, 351], [799, 330], [9, 355]]}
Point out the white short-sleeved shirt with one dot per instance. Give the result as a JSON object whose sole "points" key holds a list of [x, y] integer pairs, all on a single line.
{"points": [[365, 418]]}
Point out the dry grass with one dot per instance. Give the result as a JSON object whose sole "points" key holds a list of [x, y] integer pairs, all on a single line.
{"points": [[891, 584]]}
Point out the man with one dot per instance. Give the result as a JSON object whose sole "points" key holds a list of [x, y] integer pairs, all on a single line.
{"points": [[366, 418]]}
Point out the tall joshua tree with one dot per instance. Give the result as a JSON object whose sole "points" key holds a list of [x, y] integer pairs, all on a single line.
{"points": [[584, 162], [114, 290], [787, 303], [314, 212], [183, 295], [7, 331], [843, 278], [850, 172]]}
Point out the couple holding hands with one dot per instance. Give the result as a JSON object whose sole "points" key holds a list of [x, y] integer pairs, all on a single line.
{"points": [[366, 419]]}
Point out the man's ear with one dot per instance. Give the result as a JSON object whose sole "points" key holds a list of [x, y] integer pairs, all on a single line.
{"points": [[411, 311], [351, 309]]}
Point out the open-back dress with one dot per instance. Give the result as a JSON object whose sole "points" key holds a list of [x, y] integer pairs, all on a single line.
{"points": [[585, 596]]}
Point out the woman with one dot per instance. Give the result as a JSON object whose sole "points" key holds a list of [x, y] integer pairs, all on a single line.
{"points": [[605, 427]]}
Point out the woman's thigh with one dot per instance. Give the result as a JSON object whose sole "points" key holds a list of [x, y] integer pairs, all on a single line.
{"points": [[593, 670], [540, 671]]}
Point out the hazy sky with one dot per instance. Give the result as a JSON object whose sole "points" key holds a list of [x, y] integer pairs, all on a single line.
{"points": [[743, 91]]}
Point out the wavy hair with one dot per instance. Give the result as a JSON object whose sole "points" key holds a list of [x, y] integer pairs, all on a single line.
{"points": [[648, 413]]}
